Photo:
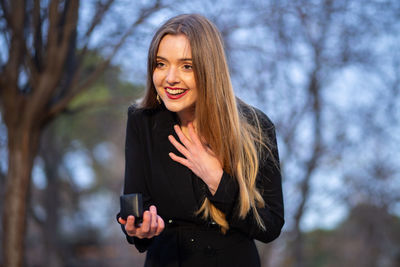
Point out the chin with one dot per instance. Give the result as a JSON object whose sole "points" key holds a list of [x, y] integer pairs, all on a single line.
{"points": [[175, 107], [172, 107]]}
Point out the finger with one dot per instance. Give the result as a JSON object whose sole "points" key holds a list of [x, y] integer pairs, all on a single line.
{"points": [[130, 225], [193, 135], [180, 160], [182, 137], [145, 227], [161, 225], [178, 146], [196, 138], [130, 220], [153, 222], [121, 221]]}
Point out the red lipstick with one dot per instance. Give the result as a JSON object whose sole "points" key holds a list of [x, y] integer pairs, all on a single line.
{"points": [[175, 92]]}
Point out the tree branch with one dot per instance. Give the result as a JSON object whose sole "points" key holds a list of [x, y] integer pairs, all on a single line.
{"points": [[77, 86], [101, 11], [37, 31], [6, 12], [17, 40], [60, 46], [52, 31], [9, 93]]}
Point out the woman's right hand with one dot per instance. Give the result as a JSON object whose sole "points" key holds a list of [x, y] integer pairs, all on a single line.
{"points": [[151, 226]]}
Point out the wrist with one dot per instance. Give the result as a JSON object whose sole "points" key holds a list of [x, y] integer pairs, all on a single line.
{"points": [[216, 179]]}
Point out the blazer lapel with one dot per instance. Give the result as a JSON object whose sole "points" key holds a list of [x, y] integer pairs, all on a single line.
{"points": [[173, 174]]}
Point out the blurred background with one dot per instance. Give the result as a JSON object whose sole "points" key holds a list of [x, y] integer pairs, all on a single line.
{"points": [[326, 72]]}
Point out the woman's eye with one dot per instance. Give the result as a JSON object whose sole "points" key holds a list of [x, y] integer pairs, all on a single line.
{"points": [[187, 67], [160, 65]]}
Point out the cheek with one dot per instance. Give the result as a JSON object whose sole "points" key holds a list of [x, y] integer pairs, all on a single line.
{"points": [[193, 83], [189, 80], [156, 78], [157, 82]]}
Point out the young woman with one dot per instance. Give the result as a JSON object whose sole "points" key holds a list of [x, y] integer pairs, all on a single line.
{"points": [[206, 163]]}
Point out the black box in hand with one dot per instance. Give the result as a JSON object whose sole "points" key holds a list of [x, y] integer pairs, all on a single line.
{"points": [[132, 204]]}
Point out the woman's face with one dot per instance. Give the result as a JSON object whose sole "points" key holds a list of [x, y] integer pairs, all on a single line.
{"points": [[173, 76]]}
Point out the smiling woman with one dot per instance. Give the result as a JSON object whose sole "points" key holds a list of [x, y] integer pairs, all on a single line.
{"points": [[205, 162]]}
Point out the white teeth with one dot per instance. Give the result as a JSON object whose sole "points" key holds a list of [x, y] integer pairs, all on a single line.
{"points": [[175, 91]]}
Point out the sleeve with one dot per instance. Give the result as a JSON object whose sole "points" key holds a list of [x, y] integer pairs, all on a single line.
{"points": [[226, 194], [135, 172], [269, 184]]}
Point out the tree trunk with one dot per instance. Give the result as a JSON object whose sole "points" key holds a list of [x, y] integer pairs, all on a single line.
{"points": [[298, 252], [22, 147], [52, 158]]}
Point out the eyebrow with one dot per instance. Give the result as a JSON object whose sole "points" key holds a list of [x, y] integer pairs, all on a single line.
{"points": [[181, 59]]}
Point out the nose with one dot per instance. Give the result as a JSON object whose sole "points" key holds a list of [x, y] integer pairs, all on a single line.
{"points": [[172, 76]]}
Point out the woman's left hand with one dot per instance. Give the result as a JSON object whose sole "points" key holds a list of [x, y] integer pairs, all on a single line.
{"points": [[199, 158]]}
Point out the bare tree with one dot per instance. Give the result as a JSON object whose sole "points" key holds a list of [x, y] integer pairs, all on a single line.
{"points": [[296, 66], [41, 72]]}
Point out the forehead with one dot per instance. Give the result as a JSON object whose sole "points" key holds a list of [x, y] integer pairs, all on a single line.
{"points": [[174, 46]]}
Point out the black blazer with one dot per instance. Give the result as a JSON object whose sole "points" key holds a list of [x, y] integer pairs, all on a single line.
{"points": [[189, 240]]}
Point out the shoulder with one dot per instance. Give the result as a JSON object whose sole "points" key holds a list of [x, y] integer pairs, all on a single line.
{"points": [[136, 111], [151, 119], [139, 114], [254, 116]]}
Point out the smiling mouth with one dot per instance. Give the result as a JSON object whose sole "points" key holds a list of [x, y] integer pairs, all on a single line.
{"points": [[175, 93]]}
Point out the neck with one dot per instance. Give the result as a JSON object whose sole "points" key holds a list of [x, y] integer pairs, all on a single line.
{"points": [[186, 116]]}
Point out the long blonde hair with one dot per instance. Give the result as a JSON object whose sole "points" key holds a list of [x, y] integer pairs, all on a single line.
{"points": [[233, 139]]}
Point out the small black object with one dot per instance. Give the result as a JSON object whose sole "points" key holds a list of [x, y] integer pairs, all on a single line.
{"points": [[132, 204]]}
